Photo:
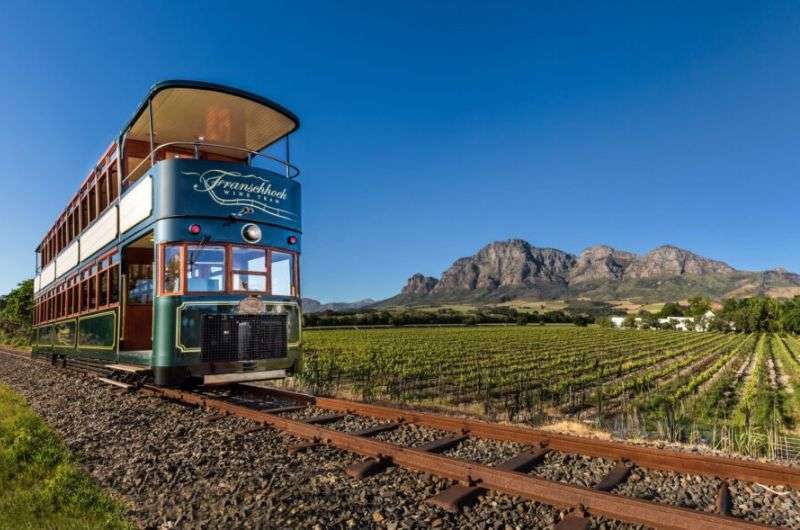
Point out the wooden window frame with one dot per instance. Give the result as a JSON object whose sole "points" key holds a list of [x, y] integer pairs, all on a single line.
{"points": [[294, 288], [230, 271], [84, 208], [182, 291], [113, 187], [91, 195], [67, 298], [160, 269], [102, 193], [75, 218], [185, 273]]}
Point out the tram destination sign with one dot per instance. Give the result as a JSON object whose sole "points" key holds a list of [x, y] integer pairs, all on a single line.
{"points": [[243, 189]]}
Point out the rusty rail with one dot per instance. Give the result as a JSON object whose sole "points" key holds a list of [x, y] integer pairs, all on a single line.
{"points": [[647, 457], [514, 483], [502, 478]]}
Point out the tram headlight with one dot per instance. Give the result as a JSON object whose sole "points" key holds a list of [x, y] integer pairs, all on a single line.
{"points": [[251, 233]]}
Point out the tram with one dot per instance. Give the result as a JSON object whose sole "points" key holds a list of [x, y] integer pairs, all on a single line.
{"points": [[180, 253]]}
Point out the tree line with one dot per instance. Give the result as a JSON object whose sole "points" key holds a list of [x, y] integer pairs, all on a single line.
{"points": [[747, 315], [16, 312], [442, 316]]}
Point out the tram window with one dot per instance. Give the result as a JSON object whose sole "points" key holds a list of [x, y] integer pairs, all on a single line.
{"points": [[92, 203], [103, 288], [171, 278], [205, 268], [84, 295], [84, 211], [140, 283], [113, 293], [92, 282], [112, 183], [249, 282], [281, 266], [102, 191], [74, 308], [249, 269]]}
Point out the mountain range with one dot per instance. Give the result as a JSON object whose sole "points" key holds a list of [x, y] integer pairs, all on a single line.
{"points": [[315, 306], [515, 269]]}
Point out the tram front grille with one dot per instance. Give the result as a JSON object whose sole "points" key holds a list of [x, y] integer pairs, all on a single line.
{"points": [[230, 338]]}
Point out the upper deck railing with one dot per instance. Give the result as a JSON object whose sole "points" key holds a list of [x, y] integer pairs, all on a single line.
{"points": [[291, 171]]}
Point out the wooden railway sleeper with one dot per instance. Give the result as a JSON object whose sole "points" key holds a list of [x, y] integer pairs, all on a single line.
{"points": [[578, 519], [616, 476], [368, 467], [456, 497], [305, 446], [724, 500]]}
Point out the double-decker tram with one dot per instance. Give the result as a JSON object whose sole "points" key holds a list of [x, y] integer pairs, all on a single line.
{"points": [[179, 254]]}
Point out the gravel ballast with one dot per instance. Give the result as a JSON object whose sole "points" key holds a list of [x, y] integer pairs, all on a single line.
{"points": [[173, 469], [665, 487], [180, 467]]}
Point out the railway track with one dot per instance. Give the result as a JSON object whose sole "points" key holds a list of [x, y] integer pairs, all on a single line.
{"points": [[367, 430]]}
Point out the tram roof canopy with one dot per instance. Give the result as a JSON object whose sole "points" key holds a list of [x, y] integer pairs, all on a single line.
{"points": [[187, 111]]}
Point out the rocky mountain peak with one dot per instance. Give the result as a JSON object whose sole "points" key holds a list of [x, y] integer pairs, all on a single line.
{"points": [[511, 263], [420, 284], [601, 262], [669, 260]]}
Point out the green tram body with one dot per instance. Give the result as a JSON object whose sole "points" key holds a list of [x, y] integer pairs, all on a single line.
{"points": [[190, 204]]}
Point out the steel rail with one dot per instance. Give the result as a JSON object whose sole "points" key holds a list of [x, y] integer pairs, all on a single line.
{"points": [[553, 493], [646, 457]]}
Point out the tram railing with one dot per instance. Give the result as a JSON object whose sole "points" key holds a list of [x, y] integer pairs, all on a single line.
{"points": [[290, 170]]}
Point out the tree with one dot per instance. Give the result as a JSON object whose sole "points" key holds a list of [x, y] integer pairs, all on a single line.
{"points": [[671, 309], [649, 320], [604, 322], [719, 324], [16, 309], [669, 324], [698, 305], [630, 321], [790, 315]]}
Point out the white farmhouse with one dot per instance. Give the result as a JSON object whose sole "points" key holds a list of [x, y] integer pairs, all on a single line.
{"points": [[680, 323], [690, 323]]}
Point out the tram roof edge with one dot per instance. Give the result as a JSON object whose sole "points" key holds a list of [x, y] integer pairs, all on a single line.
{"points": [[212, 87]]}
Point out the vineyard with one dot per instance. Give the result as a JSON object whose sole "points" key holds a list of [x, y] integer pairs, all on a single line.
{"points": [[737, 389]]}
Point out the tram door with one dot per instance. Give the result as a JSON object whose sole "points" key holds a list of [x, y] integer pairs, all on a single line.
{"points": [[137, 266]]}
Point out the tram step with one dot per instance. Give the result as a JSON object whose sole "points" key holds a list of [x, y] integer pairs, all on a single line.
{"points": [[119, 384], [130, 368]]}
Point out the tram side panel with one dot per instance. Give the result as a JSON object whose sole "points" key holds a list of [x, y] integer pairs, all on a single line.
{"points": [[92, 336]]}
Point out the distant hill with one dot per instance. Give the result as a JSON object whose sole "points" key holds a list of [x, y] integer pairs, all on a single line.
{"points": [[515, 269], [315, 306]]}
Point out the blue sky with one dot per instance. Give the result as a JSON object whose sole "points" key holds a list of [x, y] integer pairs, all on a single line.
{"points": [[430, 130]]}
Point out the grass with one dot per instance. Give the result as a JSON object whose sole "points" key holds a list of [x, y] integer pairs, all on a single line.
{"points": [[41, 486]]}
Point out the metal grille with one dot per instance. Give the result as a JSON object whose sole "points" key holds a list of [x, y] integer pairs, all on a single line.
{"points": [[227, 338]]}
